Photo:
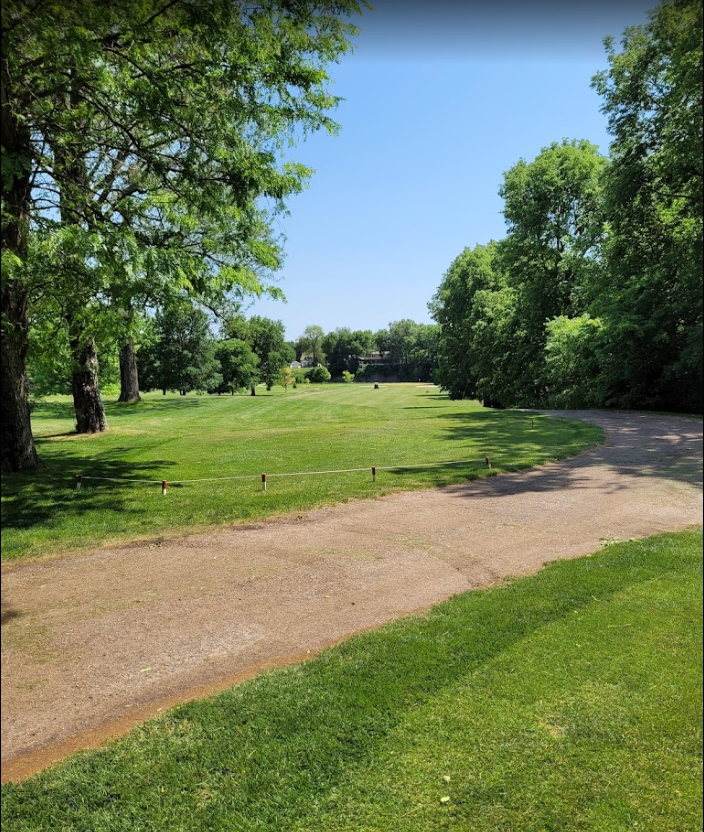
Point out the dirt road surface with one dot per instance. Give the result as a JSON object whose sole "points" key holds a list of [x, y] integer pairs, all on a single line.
{"points": [[93, 644]]}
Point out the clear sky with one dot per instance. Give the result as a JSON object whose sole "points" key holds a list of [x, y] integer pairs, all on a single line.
{"points": [[441, 98]]}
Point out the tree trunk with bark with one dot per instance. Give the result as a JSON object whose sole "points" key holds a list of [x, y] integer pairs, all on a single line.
{"points": [[18, 451], [87, 403], [129, 378]]}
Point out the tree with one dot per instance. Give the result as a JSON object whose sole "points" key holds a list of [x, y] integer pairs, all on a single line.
{"points": [[183, 356], [650, 305], [552, 252], [312, 343], [267, 341], [239, 366], [141, 140], [465, 308], [286, 377], [344, 349]]}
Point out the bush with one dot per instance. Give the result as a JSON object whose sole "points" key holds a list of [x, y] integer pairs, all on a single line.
{"points": [[318, 375], [347, 377]]}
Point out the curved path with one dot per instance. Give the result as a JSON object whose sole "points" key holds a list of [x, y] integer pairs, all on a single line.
{"points": [[95, 643]]}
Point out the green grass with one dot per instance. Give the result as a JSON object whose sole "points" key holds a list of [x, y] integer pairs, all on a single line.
{"points": [[310, 429], [566, 701]]}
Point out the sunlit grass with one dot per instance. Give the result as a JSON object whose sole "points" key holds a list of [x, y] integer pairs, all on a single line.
{"points": [[316, 428]]}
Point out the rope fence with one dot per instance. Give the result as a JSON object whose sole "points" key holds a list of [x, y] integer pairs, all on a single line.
{"points": [[81, 478]]}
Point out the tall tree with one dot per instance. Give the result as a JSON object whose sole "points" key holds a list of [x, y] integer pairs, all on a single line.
{"points": [[239, 366], [474, 308], [312, 343], [651, 302], [183, 356], [552, 252], [152, 131], [266, 339]]}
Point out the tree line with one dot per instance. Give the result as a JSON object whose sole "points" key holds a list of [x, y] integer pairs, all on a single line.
{"points": [[176, 349], [594, 297]]}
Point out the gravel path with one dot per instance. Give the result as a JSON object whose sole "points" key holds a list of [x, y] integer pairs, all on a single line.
{"points": [[93, 644]]}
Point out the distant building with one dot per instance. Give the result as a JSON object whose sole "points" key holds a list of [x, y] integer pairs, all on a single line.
{"points": [[295, 365], [374, 357]]}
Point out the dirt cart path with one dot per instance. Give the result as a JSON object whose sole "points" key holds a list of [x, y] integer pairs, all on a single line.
{"points": [[93, 644]]}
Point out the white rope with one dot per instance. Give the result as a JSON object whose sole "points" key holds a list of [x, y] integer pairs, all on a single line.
{"points": [[293, 473]]}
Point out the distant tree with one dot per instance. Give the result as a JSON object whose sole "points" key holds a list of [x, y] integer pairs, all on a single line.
{"points": [[239, 366], [345, 348], [286, 378], [312, 343], [266, 340], [183, 356]]}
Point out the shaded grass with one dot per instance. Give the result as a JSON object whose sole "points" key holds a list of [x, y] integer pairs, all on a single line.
{"points": [[569, 700], [311, 429]]}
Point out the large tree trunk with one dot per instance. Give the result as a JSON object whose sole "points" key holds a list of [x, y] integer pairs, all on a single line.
{"points": [[18, 451], [129, 379], [90, 414]]}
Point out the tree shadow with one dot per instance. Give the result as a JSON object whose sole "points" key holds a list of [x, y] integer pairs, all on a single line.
{"points": [[35, 498], [636, 445]]}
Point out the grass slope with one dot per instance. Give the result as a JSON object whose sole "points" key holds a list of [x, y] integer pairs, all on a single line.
{"points": [[566, 701], [311, 429]]}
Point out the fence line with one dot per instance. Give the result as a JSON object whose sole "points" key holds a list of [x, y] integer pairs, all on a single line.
{"points": [[81, 477]]}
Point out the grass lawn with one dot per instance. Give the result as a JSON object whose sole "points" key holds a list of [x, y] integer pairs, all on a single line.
{"points": [[314, 428], [566, 701]]}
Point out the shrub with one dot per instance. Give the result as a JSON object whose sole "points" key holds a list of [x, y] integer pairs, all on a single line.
{"points": [[318, 375]]}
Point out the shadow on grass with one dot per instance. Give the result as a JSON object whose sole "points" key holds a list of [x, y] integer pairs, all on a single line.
{"points": [[121, 410], [637, 445], [34, 498], [116, 410]]}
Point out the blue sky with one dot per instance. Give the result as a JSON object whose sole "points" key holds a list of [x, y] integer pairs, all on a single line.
{"points": [[440, 100]]}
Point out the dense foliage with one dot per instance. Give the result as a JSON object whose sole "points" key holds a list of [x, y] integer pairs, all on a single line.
{"points": [[141, 160], [595, 295]]}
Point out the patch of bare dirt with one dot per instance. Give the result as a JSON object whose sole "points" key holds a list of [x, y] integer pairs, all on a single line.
{"points": [[93, 644]]}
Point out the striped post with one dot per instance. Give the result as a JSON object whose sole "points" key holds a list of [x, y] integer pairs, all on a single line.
{"points": [[79, 481], [164, 486], [488, 462], [263, 482], [373, 473]]}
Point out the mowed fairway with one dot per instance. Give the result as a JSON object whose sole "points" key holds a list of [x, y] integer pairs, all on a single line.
{"points": [[313, 428]]}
